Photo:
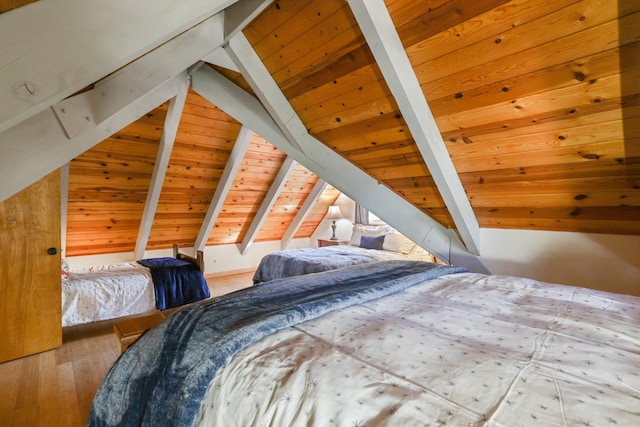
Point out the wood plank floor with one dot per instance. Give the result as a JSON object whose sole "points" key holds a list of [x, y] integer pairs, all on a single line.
{"points": [[55, 388]]}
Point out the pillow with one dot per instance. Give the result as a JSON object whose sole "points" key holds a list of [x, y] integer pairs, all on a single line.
{"points": [[396, 242], [64, 270], [360, 230], [370, 242]]}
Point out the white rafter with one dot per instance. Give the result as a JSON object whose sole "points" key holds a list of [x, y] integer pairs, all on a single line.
{"points": [[298, 220], [78, 43], [327, 164], [228, 174], [269, 200], [383, 40], [169, 132], [56, 135]]}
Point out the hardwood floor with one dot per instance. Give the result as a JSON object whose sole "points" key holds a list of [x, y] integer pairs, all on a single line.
{"points": [[55, 388]]}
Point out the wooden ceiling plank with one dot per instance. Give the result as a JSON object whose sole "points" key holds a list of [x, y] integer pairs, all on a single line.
{"points": [[78, 44], [378, 29], [268, 202], [321, 160], [226, 180], [303, 212], [172, 120]]}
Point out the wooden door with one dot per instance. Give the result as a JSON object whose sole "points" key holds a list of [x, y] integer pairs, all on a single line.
{"points": [[30, 295]]}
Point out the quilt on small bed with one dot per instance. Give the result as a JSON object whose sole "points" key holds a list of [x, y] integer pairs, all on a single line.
{"points": [[176, 282], [296, 262], [163, 377]]}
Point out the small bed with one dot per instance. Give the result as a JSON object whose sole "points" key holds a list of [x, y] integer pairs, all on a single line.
{"points": [[368, 243], [110, 291], [388, 343]]}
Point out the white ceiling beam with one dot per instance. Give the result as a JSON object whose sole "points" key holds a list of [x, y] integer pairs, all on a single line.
{"points": [[303, 212], [52, 49], [238, 15], [42, 143], [336, 170], [383, 39], [224, 185], [269, 200], [169, 132]]}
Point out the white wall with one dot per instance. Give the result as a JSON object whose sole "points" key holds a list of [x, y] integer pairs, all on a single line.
{"points": [[344, 226], [597, 261]]}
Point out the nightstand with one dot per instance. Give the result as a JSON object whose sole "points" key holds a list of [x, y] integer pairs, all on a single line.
{"points": [[328, 242]]}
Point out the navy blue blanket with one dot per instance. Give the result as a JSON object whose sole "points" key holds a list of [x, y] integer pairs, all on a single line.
{"points": [[162, 378], [296, 262], [176, 282]]}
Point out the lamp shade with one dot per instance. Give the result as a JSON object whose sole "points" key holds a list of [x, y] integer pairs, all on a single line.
{"points": [[334, 212]]}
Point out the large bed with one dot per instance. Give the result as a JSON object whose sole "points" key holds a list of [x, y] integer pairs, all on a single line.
{"points": [[368, 243], [110, 291], [387, 343]]}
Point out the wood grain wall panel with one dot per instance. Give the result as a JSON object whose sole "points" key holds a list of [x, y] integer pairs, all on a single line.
{"points": [[201, 150], [288, 203], [347, 105], [108, 187], [519, 86], [318, 212], [257, 171]]}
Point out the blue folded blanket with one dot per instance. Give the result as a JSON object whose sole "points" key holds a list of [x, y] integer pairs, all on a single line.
{"points": [[176, 282], [162, 378]]}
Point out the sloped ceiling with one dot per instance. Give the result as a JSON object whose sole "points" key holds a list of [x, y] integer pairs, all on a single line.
{"points": [[535, 103]]}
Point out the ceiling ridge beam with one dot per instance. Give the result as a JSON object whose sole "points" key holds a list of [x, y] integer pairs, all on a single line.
{"points": [[169, 132], [44, 36], [224, 185], [57, 135], [267, 203], [385, 44], [303, 212], [326, 163]]}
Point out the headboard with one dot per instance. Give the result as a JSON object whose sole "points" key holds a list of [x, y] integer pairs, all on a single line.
{"points": [[198, 260]]}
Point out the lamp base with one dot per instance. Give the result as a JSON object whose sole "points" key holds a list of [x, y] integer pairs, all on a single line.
{"points": [[333, 227]]}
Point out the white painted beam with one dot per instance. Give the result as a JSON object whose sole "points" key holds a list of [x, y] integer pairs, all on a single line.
{"points": [[238, 15], [336, 170], [384, 42], [169, 132], [51, 49], [224, 185], [269, 200], [298, 220], [40, 144]]}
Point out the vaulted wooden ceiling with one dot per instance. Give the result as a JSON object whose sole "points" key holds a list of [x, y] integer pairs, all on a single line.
{"points": [[534, 106]]}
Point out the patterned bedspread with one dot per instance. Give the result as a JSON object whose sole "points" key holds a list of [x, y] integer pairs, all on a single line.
{"points": [[461, 349], [162, 378], [296, 262]]}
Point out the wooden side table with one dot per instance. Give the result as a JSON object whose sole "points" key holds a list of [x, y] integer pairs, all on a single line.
{"points": [[129, 330], [329, 242]]}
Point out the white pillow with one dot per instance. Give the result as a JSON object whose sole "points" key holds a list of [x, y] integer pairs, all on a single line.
{"points": [[360, 230], [396, 242]]}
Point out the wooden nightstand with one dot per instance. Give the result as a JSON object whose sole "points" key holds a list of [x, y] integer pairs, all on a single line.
{"points": [[328, 242]]}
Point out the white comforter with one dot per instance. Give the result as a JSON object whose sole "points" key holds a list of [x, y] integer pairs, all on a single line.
{"points": [[106, 292], [464, 349]]}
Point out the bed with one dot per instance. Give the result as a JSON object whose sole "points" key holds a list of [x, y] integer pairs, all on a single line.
{"points": [[116, 290], [388, 343], [368, 243]]}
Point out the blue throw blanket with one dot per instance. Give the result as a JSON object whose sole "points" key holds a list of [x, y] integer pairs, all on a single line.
{"points": [[176, 282], [296, 262], [162, 378]]}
